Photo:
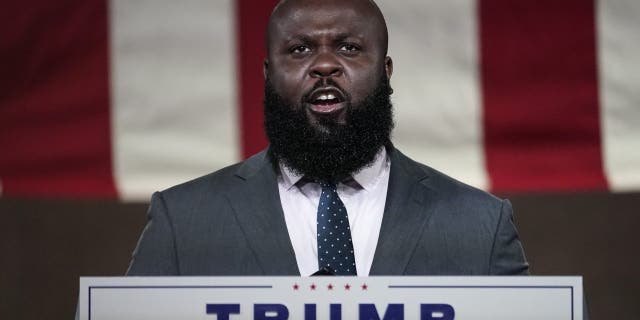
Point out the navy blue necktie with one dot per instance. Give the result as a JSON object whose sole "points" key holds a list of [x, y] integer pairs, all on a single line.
{"points": [[335, 248]]}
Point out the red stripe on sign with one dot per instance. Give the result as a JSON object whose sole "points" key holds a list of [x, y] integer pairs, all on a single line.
{"points": [[252, 18], [539, 78], [54, 101]]}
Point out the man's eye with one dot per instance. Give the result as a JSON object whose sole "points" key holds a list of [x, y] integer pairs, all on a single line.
{"points": [[349, 47], [300, 49]]}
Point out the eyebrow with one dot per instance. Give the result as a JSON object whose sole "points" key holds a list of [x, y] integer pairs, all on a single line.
{"points": [[307, 39], [301, 38], [343, 36]]}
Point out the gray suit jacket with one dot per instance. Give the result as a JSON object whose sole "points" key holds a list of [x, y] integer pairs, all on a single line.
{"points": [[231, 222]]}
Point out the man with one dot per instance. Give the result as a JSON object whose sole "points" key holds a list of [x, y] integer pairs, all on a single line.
{"points": [[331, 192]]}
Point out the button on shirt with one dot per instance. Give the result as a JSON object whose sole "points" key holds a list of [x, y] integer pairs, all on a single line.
{"points": [[364, 196]]}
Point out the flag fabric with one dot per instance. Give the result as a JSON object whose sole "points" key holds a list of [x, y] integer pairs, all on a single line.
{"points": [[119, 98]]}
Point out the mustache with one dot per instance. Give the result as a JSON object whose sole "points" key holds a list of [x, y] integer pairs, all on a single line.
{"points": [[323, 83]]}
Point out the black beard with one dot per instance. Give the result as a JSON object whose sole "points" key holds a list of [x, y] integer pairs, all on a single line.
{"points": [[327, 150]]}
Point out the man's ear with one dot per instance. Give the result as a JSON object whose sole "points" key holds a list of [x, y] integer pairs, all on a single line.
{"points": [[265, 68], [388, 66]]}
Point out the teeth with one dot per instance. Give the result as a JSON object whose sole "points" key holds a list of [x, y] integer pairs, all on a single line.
{"points": [[326, 97]]}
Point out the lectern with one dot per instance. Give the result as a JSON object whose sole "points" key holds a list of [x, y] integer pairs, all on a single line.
{"points": [[331, 298]]}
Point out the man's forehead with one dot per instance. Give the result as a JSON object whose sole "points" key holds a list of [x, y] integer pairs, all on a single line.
{"points": [[325, 22], [353, 17], [361, 5], [300, 12]]}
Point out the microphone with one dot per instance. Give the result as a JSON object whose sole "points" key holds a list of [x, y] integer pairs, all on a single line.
{"points": [[324, 271]]}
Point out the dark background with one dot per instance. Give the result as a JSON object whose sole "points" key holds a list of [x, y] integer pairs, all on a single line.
{"points": [[47, 245]]}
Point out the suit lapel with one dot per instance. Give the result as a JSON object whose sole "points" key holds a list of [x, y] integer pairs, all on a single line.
{"points": [[405, 215], [256, 201]]}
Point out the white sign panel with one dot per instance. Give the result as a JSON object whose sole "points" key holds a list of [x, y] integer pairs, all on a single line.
{"points": [[331, 298]]}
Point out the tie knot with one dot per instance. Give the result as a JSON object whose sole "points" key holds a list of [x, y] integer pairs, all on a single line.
{"points": [[327, 185]]}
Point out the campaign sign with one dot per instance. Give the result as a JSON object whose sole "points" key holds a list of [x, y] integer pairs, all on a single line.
{"points": [[331, 298]]}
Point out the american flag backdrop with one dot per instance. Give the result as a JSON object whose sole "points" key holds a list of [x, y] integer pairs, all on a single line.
{"points": [[119, 98]]}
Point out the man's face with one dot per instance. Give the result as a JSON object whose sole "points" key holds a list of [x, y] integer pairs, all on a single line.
{"points": [[326, 55]]}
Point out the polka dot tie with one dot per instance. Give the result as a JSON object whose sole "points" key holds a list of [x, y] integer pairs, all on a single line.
{"points": [[335, 248]]}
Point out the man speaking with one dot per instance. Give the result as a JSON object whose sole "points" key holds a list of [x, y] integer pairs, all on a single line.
{"points": [[331, 192]]}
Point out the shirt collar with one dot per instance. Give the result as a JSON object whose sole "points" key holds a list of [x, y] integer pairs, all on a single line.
{"points": [[367, 177], [289, 177]]}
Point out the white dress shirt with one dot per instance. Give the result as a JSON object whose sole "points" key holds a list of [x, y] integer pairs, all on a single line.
{"points": [[364, 197]]}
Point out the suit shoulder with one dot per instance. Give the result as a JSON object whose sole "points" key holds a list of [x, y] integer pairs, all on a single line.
{"points": [[213, 180], [454, 190], [219, 181]]}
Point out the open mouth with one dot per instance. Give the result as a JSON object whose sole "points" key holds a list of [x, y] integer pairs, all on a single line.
{"points": [[326, 100]]}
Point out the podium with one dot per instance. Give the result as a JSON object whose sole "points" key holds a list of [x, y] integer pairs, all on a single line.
{"points": [[331, 298]]}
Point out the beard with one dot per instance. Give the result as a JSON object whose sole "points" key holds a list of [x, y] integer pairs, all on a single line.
{"points": [[328, 150]]}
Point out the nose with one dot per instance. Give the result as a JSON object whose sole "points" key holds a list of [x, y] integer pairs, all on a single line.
{"points": [[325, 65]]}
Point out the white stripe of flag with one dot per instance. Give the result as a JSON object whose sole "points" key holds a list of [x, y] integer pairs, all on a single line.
{"points": [[173, 92], [436, 97], [619, 67]]}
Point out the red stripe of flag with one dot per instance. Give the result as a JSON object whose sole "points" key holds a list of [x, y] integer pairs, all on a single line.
{"points": [[540, 95], [54, 99], [251, 22]]}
